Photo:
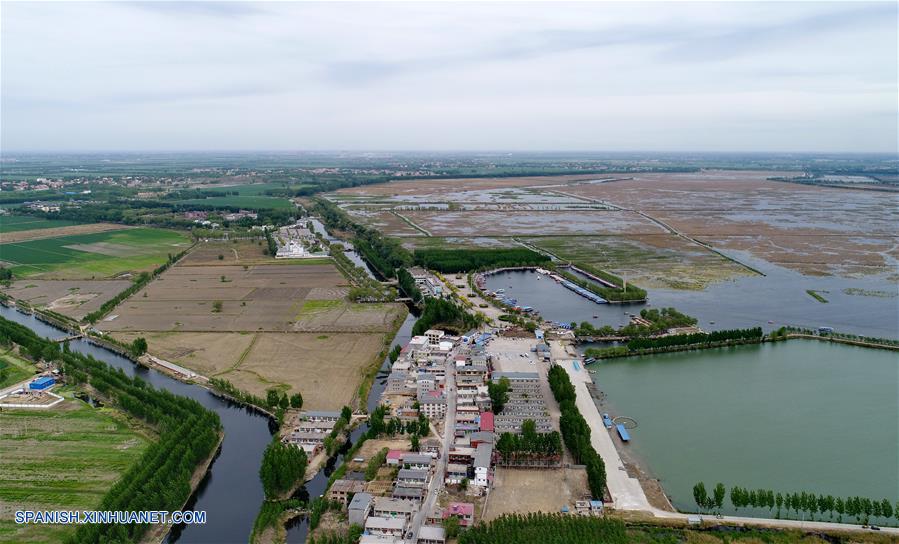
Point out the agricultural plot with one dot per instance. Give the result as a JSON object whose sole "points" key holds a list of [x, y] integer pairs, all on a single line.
{"points": [[14, 369], [242, 252], [97, 255], [73, 298], [55, 232], [650, 260], [504, 223], [16, 223], [61, 459]]}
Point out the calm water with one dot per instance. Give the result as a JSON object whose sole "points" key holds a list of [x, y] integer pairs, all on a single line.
{"points": [[779, 297], [793, 416]]}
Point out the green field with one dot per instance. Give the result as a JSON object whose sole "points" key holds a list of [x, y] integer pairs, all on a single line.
{"points": [[63, 458], [13, 369], [98, 255], [245, 202], [15, 223]]}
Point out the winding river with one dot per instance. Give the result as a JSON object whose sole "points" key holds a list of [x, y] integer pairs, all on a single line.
{"points": [[231, 492]]}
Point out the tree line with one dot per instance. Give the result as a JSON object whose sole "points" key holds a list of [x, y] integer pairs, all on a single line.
{"points": [[547, 529], [452, 261], [805, 504], [576, 432], [728, 335], [161, 478]]}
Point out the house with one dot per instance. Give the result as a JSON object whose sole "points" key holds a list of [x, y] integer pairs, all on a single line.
{"points": [[426, 382], [359, 508], [321, 416], [342, 490], [434, 336], [385, 526], [305, 426], [455, 473], [432, 404], [431, 534], [417, 461], [430, 446], [396, 382], [482, 461], [481, 437], [387, 507], [394, 456], [415, 494], [412, 478], [380, 539], [486, 422], [462, 510]]}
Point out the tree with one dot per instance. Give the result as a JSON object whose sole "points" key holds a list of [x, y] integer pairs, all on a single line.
{"points": [[499, 394], [886, 509], [284, 402], [451, 526], [414, 441], [719, 493], [139, 346], [700, 495], [296, 401], [346, 413], [463, 485], [272, 398], [217, 306]]}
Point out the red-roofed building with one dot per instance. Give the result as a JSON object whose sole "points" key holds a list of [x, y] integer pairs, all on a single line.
{"points": [[393, 456], [463, 510], [487, 421]]}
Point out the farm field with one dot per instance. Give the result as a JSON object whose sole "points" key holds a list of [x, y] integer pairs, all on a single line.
{"points": [[326, 368], [73, 298], [240, 201], [288, 297], [652, 260], [55, 232], [97, 255], [520, 223], [253, 189], [62, 459], [16, 223], [13, 369]]}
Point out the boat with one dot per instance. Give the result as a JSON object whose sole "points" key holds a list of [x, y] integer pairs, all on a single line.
{"points": [[595, 316], [606, 420], [622, 432], [589, 360]]}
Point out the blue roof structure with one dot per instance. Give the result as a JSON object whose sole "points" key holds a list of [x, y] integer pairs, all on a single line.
{"points": [[41, 383]]}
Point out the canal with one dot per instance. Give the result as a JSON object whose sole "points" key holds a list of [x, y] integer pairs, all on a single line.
{"points": [[793, 416], [231, 491]]}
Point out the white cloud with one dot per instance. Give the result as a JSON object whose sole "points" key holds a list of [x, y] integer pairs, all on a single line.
{"points": [[534, 76]]}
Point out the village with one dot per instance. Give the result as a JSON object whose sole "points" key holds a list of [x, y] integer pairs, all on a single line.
{"points": [[423, 488]]}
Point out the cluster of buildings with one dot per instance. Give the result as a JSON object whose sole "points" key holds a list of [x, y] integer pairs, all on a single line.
{"points": [[310, 431], [427, 283], [297, 242], [525, 401]]}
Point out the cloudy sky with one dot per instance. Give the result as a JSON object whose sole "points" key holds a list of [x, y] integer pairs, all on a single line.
{"points": [[466, 76]]}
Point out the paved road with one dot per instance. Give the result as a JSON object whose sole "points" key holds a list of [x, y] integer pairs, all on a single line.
{"points": [[437, 478], [627, 494]]}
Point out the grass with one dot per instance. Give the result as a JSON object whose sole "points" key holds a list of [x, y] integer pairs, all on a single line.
{"points": [[256, 189], [816, 295], [248, 202], [65, 458], [100, 255], [312, 306], [16, 223], [13, 369]]}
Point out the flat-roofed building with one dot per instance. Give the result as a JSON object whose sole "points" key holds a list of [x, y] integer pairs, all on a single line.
{"points": [[431, 534], [387, 507], [385, 526], [342, 490], [359, 508]]}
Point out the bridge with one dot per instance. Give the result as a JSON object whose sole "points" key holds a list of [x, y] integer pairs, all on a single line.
{"points": [[67, 338]]}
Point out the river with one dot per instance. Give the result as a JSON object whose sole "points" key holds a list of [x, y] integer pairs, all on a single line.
{"points": [[231, 491], [749, 301], [801, 415]]}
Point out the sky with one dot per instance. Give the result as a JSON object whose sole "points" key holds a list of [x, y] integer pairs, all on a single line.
{"points": [[167, 76]]}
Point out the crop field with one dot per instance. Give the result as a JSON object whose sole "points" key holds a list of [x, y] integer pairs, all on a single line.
{"points": [[13, 369], [253, 189], [326, 368], [73, 298], [242, 252], [650, 260], [248, 202], [61, 459], [97, 255], [276, 297], [16, 223], [57, 231]]}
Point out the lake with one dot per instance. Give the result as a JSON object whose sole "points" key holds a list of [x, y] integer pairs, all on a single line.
{"points": [[794, 416]]}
